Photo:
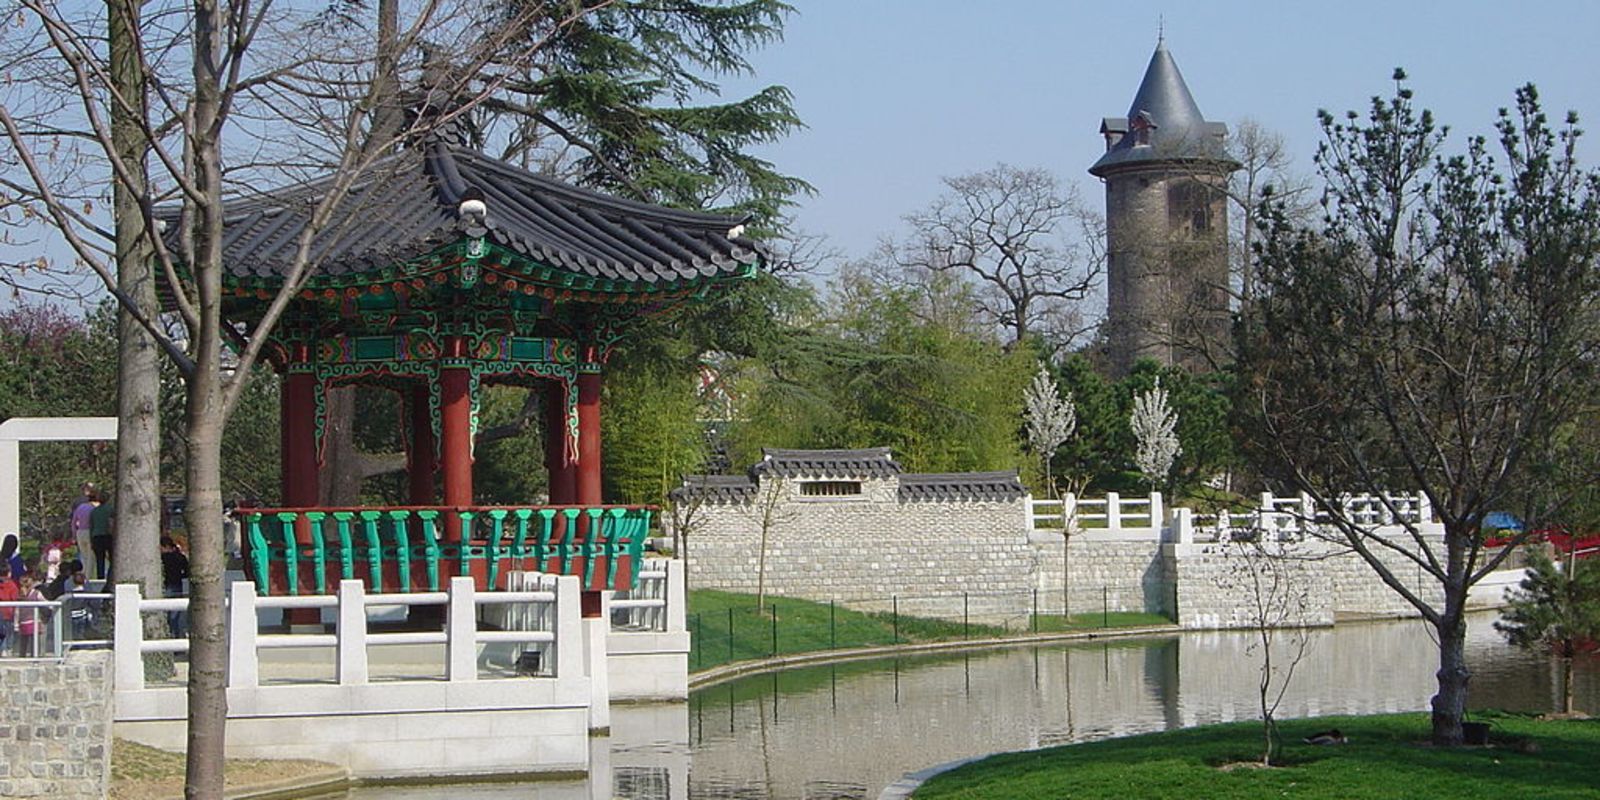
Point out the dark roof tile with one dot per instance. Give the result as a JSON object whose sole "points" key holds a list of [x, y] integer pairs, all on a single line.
{"points": [[405, 206], [872, 462], [715, 489], [954, 487]]}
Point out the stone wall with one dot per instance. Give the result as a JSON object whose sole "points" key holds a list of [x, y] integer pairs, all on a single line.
{"points": [[1106, 575], [1236, 585], [863, 549], [55, 727], [1358, 591]]}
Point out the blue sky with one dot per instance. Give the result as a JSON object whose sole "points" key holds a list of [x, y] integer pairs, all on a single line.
{"points": [[897, 93]]}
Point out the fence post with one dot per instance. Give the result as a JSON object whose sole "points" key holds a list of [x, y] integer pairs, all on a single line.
{"points": [[569, 628], [1113, 511], [1069, 511], [1157, 513], [677, 597], [1424, 509], [1033, 518], [244, 668], [1183, 525], [128, 639], [461, 630], [352, 632]]}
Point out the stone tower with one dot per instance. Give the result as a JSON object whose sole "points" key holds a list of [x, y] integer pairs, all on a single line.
{"points": [[1165, 171]]}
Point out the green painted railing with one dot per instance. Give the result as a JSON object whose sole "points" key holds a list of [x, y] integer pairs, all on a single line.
{"points": [[410, 549]]}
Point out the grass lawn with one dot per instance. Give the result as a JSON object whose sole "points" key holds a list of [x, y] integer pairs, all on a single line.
{"points": [[803, 626], [1386, 757]]}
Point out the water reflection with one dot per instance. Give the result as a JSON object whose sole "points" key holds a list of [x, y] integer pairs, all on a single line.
{"points": [[847, 730]]}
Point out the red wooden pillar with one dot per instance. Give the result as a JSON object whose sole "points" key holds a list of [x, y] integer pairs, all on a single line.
{"points": [[299, 470], [589, 439], [589, 466], [420, 458], [563, 474], [298, 431], [455, 436]]}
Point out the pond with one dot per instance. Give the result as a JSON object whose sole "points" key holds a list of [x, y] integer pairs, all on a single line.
{"points": [[848, 730]]}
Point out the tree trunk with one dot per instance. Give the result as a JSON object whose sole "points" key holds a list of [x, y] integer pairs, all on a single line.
{"points": [[208, 651], [204, 418], [138, 481], [1450, 704], [1567, 706], [341, 474]]}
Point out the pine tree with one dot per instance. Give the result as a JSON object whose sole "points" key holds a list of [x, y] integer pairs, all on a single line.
{"points": [[1556, 611]]}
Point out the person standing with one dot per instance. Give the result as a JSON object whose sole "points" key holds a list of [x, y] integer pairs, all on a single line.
{"points": [[174, 572], [9, 592], [81, 511], [102, 526]]}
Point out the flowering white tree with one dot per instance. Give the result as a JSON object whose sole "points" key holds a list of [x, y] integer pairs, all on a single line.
{"points": [[1051, 419], [1155, 429]]}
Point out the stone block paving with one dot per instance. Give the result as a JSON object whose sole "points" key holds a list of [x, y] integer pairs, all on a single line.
{"points": [[55, 727]]}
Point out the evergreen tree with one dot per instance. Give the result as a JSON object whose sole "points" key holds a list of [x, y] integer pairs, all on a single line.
{"points": [[1555, 610]]}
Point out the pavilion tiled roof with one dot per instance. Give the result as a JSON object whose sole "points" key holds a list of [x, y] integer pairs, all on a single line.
{"points": [[872, 462], [406, 206], [960, 486]]}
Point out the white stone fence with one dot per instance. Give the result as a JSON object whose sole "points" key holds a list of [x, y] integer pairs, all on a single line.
{"points": [[553, 610], [1277, 518], [1111, 517]]}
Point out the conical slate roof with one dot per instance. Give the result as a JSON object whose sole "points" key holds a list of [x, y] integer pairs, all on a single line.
{"points": [[1164, 122], [406, 206]]}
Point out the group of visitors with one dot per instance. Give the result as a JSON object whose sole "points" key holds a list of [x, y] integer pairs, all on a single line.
{"points": [[94, 522], [64, 570]]}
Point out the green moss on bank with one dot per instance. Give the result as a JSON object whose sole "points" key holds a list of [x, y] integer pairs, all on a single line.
{"points": [[727, 627]]}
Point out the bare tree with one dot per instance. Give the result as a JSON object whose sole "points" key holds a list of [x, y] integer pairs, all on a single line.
{"points": [[1276, 600], [205, 63], [1438, 331], [1265, 171], [1009, 232], [769, 513]]}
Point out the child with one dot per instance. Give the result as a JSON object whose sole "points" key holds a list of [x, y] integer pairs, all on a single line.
{"points": [[29, 620], [79, 612], [8, 593]]}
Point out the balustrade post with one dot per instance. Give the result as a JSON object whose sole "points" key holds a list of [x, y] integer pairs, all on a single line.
{"points": [[1183, 525], [352, 633], [1157, 515], [568, 628], [1113, 511], [128, 639], [677, 605], [244, 669], [461, 630]]}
